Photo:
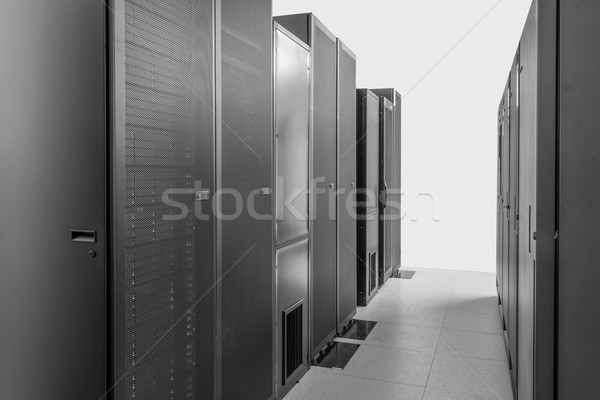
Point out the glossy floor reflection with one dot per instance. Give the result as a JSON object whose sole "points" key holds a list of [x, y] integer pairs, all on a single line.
{"points": [[438, 337]]}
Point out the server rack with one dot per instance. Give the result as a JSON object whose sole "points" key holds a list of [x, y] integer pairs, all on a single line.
{"points": [[136, 274], [367, 172], [553, 173], [394, 181], [245, 147], [386, 152], [292, 239], [346, 171], [323, 224]]}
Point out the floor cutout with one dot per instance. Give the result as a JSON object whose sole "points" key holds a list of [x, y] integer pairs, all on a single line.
{"points": [[338, 355], [404, 274], [359, 329]]}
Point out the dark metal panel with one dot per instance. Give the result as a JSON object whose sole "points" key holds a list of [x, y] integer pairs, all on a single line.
{"points": [[544, 219], [537, 190], [527, 207], [505, 202], [346, 186], [386, 153], [169, 269], [292, 284], [499, 200], [323, 215], [52, 180], [297, 24], [579, 223], [367, 172], [394, 196], [513, 211], [246, 166]]}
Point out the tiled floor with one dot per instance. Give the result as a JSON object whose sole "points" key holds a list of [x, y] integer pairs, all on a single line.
{"points": [[438, 337]]}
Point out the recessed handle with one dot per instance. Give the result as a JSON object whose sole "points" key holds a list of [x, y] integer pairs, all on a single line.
{"points": [[83, 236]]}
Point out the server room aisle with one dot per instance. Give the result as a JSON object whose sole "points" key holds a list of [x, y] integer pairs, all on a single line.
{"points": [[438, 337]]}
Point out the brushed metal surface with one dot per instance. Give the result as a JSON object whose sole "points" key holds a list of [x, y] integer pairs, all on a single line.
{"points": [[291, 137], [291, 103], [52, 180], [324, 150], [346, 283], [367, 171]]}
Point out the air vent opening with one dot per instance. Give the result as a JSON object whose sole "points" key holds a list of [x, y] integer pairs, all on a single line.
{"points": [[292, 340]]}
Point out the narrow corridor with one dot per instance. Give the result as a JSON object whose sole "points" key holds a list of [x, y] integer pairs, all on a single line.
{"points": [[438, 337]]}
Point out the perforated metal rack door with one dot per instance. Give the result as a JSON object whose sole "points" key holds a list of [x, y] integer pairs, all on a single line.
{"points": [[169, 263], [246, 165]]}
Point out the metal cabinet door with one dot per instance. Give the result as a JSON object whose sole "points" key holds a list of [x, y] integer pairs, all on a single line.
{"points": [[346, 281], [52, 181], [386, 154], [324, 182], [291, 79], [513, 212], [245, 163], [527, 208]]}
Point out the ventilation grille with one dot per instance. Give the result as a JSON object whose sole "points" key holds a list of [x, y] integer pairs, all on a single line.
{"points": [[292, 340], [372, 271], [168, 261]]}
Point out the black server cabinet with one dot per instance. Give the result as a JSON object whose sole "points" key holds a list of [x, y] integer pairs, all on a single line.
{"points": [[53, 200], [131, 291], [244, 151], [163, 167], [292, 143], [367, 173], [393, 191], [323, 46], [346, 103], [557, 168]]}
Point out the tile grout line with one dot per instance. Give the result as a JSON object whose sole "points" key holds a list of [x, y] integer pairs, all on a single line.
{"points": [[441, 331], [347, 375]]}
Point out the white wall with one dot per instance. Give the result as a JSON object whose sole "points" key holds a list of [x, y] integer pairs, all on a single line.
{"points": [[450, 61]]}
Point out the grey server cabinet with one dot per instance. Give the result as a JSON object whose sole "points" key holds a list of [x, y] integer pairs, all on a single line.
{"points": [[346, 169], [292, 143], [386, 153], [367, 173], [556, 95], [508, 212], [134, 289], [53, 211], [393, 197], [323, 276]]}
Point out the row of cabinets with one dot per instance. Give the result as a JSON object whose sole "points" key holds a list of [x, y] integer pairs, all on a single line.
{"points": [[547, 194]]}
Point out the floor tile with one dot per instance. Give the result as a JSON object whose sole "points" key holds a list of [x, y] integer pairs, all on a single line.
{"points": [[341, 387], [435, 394], [404, 336], [472, 344], [397, 360], [391, 365], [482, 319], [473, 376]]}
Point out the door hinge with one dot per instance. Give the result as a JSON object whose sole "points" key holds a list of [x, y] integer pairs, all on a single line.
{"points": [[556, 235]]}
